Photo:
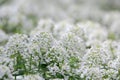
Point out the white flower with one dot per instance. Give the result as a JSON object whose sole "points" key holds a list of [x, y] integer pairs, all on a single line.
{"points": [[5, 73], [93, 31], [46, 25], [73, 44], [33, 77], [41, 42], [61, 28], [17, 44]]}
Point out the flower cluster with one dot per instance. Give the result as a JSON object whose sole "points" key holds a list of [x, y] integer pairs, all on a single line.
{"points": [[73, 40], [81, 53]]}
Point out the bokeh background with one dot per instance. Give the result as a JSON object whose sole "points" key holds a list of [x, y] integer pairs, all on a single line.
{"points": [[22, 16]]}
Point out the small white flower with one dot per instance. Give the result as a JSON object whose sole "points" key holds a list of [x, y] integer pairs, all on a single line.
{"points": [[33, 77], [5, 73]]}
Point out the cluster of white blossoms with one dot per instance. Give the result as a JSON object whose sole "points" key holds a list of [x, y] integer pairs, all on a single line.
{"points": [[83, 51], [5, 73], [59, 40]]}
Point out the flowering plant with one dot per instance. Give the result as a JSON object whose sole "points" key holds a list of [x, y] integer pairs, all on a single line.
{"points": [[61, 47]]}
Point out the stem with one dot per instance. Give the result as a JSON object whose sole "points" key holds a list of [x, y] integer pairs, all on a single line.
{"points": [[15, 78], [30, 61]]}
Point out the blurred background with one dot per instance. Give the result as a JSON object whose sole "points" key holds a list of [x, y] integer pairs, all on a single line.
{"points": [[22, 16]]}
